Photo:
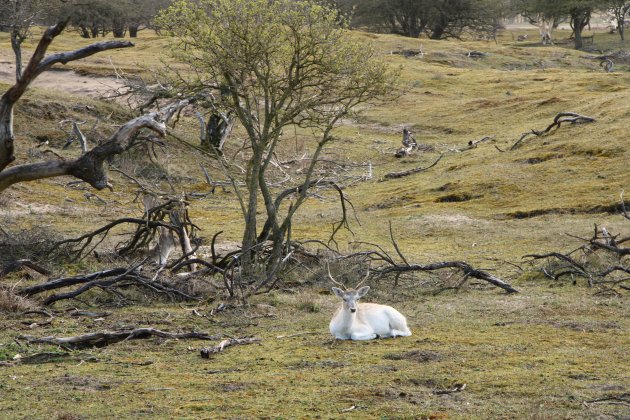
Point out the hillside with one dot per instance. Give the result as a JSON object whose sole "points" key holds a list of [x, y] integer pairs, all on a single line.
{"points": [[542, 353], [447, 99]]}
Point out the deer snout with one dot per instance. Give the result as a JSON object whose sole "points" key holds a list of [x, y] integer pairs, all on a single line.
{"points": [[353, 310]]}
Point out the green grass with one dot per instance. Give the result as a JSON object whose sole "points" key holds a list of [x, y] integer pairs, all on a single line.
{"points": [[539, 354]]}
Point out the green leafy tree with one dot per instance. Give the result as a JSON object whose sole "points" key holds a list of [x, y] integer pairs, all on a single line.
{"points": [[274, 65]]}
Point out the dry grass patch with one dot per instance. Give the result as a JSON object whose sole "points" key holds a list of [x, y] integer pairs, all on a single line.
{"points": [[12, 303]]}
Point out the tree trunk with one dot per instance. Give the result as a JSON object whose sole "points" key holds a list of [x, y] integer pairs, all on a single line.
{"points": [[249, 235], [438, 29], [577, 32], [16, 45], [6, 132], [217, 131], [580, 18], [84, 32], [133, 30], [118, 29]]}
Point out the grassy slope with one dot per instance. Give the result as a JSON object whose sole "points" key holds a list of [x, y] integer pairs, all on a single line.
{"points": [[538, 354]]}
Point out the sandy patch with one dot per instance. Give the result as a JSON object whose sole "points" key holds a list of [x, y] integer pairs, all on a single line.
{"points": [[66, 81], [20, 209], [453, 219]]}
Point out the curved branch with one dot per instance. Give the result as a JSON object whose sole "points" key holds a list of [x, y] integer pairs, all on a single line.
{"points": [[561, 117], [71, 281], [89, 166], [468, 270], [393, 175], [38, 64]]}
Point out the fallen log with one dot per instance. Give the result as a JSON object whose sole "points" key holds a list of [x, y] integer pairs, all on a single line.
{"points": [[71, 281], [105, 338], [18, 264], [105, 280]]}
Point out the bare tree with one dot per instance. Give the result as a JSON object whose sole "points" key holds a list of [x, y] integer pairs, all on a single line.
{"points": [[547, 14], [90, 165], [620, 9], [17, 18]]}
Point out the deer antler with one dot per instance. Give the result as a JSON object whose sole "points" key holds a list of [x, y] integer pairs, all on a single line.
{"points": [[364, 278], [333, 280]]}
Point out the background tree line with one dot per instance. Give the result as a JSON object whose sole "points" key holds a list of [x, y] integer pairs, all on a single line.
{"points": [[441, 19], [91, 18], [436, 19]]}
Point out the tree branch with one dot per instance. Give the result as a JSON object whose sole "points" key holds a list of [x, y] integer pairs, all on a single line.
{"points": [[206, 352], [562, 117], [89, 166], [468, 270], [394, 175], [105, 338], [38, 64]]}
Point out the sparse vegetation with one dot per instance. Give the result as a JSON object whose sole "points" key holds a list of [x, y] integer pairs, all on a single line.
{"points": [[554, 350]]}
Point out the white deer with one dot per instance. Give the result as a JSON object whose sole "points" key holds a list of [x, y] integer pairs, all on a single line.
{"points": [[364, 321]]}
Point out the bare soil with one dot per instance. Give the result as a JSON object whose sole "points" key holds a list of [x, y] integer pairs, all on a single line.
{"points": [[62, 80]]}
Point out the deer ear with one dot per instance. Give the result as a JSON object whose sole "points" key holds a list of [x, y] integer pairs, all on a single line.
{"points": [[363, 291], [337, 291]]}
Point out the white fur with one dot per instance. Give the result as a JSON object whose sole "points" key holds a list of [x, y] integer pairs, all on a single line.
{"points": [[369, 321]]}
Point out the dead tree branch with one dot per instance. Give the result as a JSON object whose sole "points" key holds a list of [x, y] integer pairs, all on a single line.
{"points": [[390, 266], [99, 234], [18, 264], [474, 143], [562, 117], [601, 260], [71, 281], [89, 167], [154, 224], [394, 175], [106, 280], [105, 338], [206, 352], [466, 268], [37, 65]]}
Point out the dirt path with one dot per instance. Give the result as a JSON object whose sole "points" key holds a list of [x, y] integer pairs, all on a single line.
{"points": [[66, 81]]}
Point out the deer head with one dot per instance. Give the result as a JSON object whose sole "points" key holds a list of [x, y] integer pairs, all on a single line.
{"points": [[350, 297]]}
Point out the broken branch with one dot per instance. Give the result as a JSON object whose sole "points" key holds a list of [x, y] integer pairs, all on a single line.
{"points": [[562, 117], [206, 352], [105, 338], [468, 270], [394, 175]]}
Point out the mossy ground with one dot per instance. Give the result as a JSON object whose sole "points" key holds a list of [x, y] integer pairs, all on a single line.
{"points": [[539, 354]]}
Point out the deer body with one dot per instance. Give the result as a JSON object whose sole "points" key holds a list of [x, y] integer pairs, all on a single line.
{"points": [[365, 321]]}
